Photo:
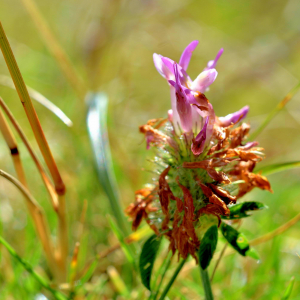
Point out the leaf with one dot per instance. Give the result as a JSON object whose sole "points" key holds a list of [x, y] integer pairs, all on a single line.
{"points": [[208, 246], [238, 241], [43, 282], [147, 258], [289, 289], [275, 168], [240, 210], [7, 81], [96, 123]]}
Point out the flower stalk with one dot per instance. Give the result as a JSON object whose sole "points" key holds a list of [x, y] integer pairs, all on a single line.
{"points": [[206, 284]]}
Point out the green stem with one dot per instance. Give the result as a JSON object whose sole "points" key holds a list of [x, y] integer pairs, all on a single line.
{"points": [[167, 288], [206, 284], [165, 266]]}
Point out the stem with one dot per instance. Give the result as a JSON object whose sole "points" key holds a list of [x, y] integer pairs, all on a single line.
{"points": [[55, 48], [164, 266], [38, 217], [167, 288], [274, 112], [206, 284], [46, 179], [30, 111], [218, 261]]}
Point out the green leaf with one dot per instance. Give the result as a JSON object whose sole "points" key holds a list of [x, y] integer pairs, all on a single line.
{"points": [[275, 168], [238, 241], [240, 210], [208, 246], [289, 289], [147, 258], [96, 123], [43, 282]]}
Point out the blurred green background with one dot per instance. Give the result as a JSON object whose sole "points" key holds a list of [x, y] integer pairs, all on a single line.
{"points": [[111, 43]]}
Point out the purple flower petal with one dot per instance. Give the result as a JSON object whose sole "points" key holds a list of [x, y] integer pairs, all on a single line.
{"points": [[234, 117], [249, 145], [199, 142], [187, 54], [204, 80], [212, 63], [161, 66], [182, 106]]}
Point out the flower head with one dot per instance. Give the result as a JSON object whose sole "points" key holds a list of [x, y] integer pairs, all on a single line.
{"points": [[204, 163]]}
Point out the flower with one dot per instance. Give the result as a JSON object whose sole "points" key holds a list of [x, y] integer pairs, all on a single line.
{"points": [[184, 91], [203, 161]]}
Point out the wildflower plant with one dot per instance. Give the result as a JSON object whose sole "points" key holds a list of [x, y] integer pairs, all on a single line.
{"points": [[205, 164]]}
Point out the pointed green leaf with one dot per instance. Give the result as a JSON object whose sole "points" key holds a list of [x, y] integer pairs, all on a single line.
{"points": [[275, 168], [238, 241], [208, 246], [289, 289], [240, 210], [147, 258], [96, 123]]}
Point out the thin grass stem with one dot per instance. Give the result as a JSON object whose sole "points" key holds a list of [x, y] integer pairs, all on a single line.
{"points": [[38, 218], [165, 266], [275, 232], [274, 112], [35, 95], [30, 111], [54, 47], [46, 179], [170, 283]]}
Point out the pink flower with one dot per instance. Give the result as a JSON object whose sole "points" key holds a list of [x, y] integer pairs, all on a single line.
{"points": [[188, 107]]}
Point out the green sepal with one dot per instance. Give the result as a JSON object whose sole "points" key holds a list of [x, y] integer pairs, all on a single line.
{"points": [[208, 246], [240, 210], [147, 259]]}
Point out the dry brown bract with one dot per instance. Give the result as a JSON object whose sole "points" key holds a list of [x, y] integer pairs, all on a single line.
{"points": [[142, 206]]}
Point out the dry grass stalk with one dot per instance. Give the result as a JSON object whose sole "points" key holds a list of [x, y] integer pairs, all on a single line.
{"points": [[38, 218], [62, 247], [14, 151], [46, 179], [55, 48]]}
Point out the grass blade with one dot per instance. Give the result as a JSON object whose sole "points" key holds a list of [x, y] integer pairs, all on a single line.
{"points": [[96, 123], [275, 168], [289, 289], [117, 281], [29, 269], [274, 112], [38, 218], [125, 247], [30, 111], [6, 81]]}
